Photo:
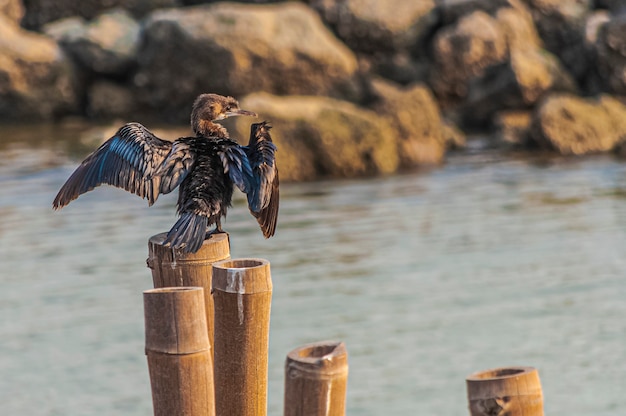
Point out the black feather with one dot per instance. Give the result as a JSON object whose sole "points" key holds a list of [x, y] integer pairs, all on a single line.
{"points": [[263, 201], [188, 232]]}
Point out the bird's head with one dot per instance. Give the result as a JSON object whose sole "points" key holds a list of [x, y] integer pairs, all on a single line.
{"points": [[213, 107]]}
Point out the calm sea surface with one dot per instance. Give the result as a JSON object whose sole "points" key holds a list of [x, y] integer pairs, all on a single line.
{"points": [[427, 277]]}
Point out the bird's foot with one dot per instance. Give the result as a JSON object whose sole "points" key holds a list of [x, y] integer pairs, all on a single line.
{"points": [[215, 231]]}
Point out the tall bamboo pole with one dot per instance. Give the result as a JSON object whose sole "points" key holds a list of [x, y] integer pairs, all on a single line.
{"points": [[242, 294], [178, 352], [510, 391], [316, 378], [174, 268]]}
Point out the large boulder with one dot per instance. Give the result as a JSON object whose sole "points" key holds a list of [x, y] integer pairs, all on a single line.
{"points": [[517, 24], [469, 49], [595, 21], [195, 2], [107, 99], [379, 26], [574, 126], [390, 37], [611, 54], [465, 50], [105, 46], [614, 6], [35, 75], [235, 49], [40, 12], [526, 77], [319, 137], [596, 82], [561, 25], [12, 9], [453, 10], [416, 119]]}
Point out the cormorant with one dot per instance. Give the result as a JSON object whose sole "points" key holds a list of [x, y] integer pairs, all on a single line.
{"points": [[204, 167]]}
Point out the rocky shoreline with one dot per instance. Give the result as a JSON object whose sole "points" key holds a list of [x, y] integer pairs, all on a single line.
{"points": [[353, 87]]}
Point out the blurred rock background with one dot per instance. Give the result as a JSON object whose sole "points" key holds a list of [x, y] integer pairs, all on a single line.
{"points": [[353, 87]]}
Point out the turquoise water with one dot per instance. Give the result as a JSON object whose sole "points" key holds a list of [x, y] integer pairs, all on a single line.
{"points": [[427, 277]]}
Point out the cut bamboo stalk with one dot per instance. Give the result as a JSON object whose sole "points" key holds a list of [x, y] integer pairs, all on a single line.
{"points": [[242, 295], [172, 267], [178, 351], [510, 391], [316, 378]]}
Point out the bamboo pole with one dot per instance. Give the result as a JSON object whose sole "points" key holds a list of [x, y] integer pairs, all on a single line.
{"points": [[316, 378], [510, 391], [172, 267], [242, 294], [178, 352]]}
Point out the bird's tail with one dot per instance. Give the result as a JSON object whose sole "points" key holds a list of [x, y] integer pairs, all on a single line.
{"points": [[188, 233]]}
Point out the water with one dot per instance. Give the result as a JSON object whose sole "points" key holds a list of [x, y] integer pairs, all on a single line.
{"points": [[427, 277]]}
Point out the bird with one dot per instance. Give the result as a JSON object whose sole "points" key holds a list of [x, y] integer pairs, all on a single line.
{"points": [[205, 167]]}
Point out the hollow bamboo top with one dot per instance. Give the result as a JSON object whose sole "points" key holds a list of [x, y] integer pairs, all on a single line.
{"points": [[242, 276], [214, 248], [504, 381], [175, 320], [319, 360]]}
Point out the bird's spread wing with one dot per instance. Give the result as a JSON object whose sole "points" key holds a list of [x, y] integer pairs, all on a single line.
{"points": [[128, 160], [263, 197], [253, 170]]}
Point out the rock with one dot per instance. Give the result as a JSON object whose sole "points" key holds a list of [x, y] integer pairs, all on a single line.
{"points": [[35, 76], [12, 9], [561, 25], [415, 117], [595, 21], [464, 51], [470, 48], [196, 2], [379, 26], [576, 126], [594, 82], [614, 6], [611, 54], [40, 12], [108, 100], [319, 137], [453, 10], [512, 128], [453, 137], [70, 28], [105, 46], [390, 37], [400, 67], [235, 49], [517, 24], [519, 84]]}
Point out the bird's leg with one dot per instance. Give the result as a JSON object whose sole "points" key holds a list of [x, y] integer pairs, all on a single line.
{"points": [[217, 230]]}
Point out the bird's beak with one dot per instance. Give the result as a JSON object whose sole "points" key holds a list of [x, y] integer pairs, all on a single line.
{"points": [[240, 113]]}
